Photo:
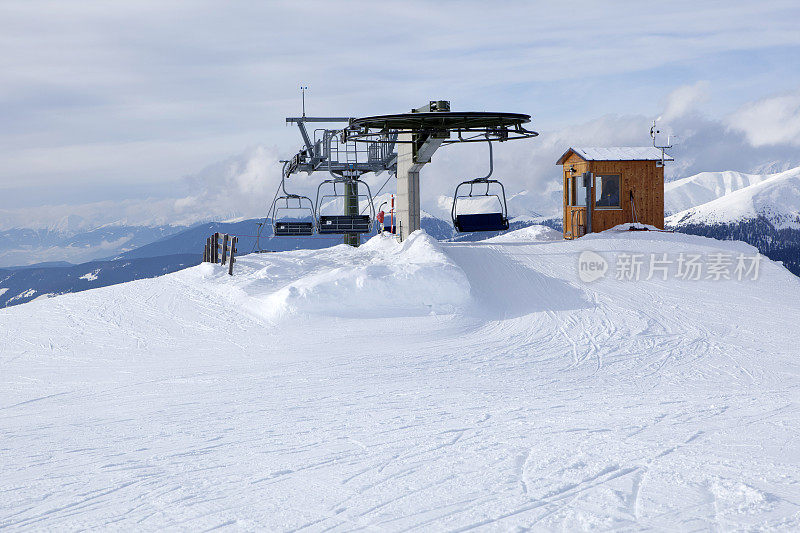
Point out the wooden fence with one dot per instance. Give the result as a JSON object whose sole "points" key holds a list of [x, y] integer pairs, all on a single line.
{"points": [[221, 252]]}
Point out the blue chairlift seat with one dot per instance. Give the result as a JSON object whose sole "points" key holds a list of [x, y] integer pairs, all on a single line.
{"points": [[344, 224], [481, 222]]}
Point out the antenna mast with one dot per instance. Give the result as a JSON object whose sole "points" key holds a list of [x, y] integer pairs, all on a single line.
{"points": [[654, 131], [303, 92]]}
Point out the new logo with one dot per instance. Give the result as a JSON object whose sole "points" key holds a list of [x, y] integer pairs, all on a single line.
{"points": [[591, 266]]}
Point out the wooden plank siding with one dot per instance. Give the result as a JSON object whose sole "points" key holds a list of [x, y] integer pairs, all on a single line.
{"points": [[644, 178], [580, 166]]}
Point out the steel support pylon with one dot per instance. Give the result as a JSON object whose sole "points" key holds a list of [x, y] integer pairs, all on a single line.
{"points": [[351, 208], [408, 200]]}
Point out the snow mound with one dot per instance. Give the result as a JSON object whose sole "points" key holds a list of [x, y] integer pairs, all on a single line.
{"points": [[535, 233], [734, 498], [381, 278]]}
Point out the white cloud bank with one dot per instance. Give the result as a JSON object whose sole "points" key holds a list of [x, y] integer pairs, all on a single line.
{"points": [[770, 121], [117, 94], [243, 186], [686, 99]]}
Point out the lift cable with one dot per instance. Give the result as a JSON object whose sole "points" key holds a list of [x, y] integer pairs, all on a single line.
{"points": [[379, 191], [277, 192]]}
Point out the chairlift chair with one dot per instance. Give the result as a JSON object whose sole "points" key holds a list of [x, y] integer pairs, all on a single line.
{"points": [[293, 228], [492, 221], [344, 224], [290, 227]]}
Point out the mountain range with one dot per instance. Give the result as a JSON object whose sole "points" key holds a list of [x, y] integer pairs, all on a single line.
{"points": [[760, 209], [31, 246], [174, 248]]}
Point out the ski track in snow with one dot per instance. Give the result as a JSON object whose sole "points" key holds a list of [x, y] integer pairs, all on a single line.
{"points": [[182, 403]]}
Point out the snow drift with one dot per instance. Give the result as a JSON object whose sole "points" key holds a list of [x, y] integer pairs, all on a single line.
{"points": [[534, 233], [381, 278]]}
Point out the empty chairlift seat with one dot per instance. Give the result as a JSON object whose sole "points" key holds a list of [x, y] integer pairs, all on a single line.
{"points": [[350, 191], [293, 215], [294, 229], [480, 189], [344, 224], [481, 222]]}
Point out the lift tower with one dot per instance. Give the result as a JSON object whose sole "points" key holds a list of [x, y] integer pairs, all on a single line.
{"points": [[413, 151], [421, 132], [345, 161], [400, 143]]}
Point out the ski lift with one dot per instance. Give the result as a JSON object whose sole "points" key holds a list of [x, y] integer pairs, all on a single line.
{"points": [[492, 221], [287, 202], [347, 223]]}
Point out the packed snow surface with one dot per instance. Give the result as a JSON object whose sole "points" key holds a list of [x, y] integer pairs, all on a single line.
{"points": [[423, 385]]}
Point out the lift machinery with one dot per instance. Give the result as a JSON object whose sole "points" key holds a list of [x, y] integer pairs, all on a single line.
{"points": [[400, 144]]}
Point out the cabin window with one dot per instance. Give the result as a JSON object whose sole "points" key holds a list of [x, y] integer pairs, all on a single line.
{"points": [[577, 192], [607, 191]]}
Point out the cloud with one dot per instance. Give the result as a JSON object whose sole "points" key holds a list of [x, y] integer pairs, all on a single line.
{"points": [[704, 144], [244, 185], [770, 121], [240, 185], [97, 94], [685, 99]]}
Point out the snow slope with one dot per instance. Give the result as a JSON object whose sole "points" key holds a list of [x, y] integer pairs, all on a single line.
{"points": [[776, 198], [492, 391], [21, 285]]}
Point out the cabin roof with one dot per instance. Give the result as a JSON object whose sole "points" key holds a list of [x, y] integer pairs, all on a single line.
{"points": [[615, 153]]}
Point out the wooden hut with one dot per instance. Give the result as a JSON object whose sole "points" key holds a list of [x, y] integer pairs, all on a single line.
{"points": [[626, 184]]}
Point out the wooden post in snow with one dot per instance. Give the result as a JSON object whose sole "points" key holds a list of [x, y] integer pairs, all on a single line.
{"points": [[224, 248], [233, 253]]}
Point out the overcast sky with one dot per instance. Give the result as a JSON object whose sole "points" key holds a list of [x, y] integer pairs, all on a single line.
{"points": [[123, 100]]}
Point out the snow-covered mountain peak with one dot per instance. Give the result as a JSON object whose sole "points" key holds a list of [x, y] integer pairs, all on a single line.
{"points": [[685, 193], [775, 197]]}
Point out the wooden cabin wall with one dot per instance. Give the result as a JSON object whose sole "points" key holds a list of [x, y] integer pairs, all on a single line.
{"points": [[647, 182], [580, 166]]}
